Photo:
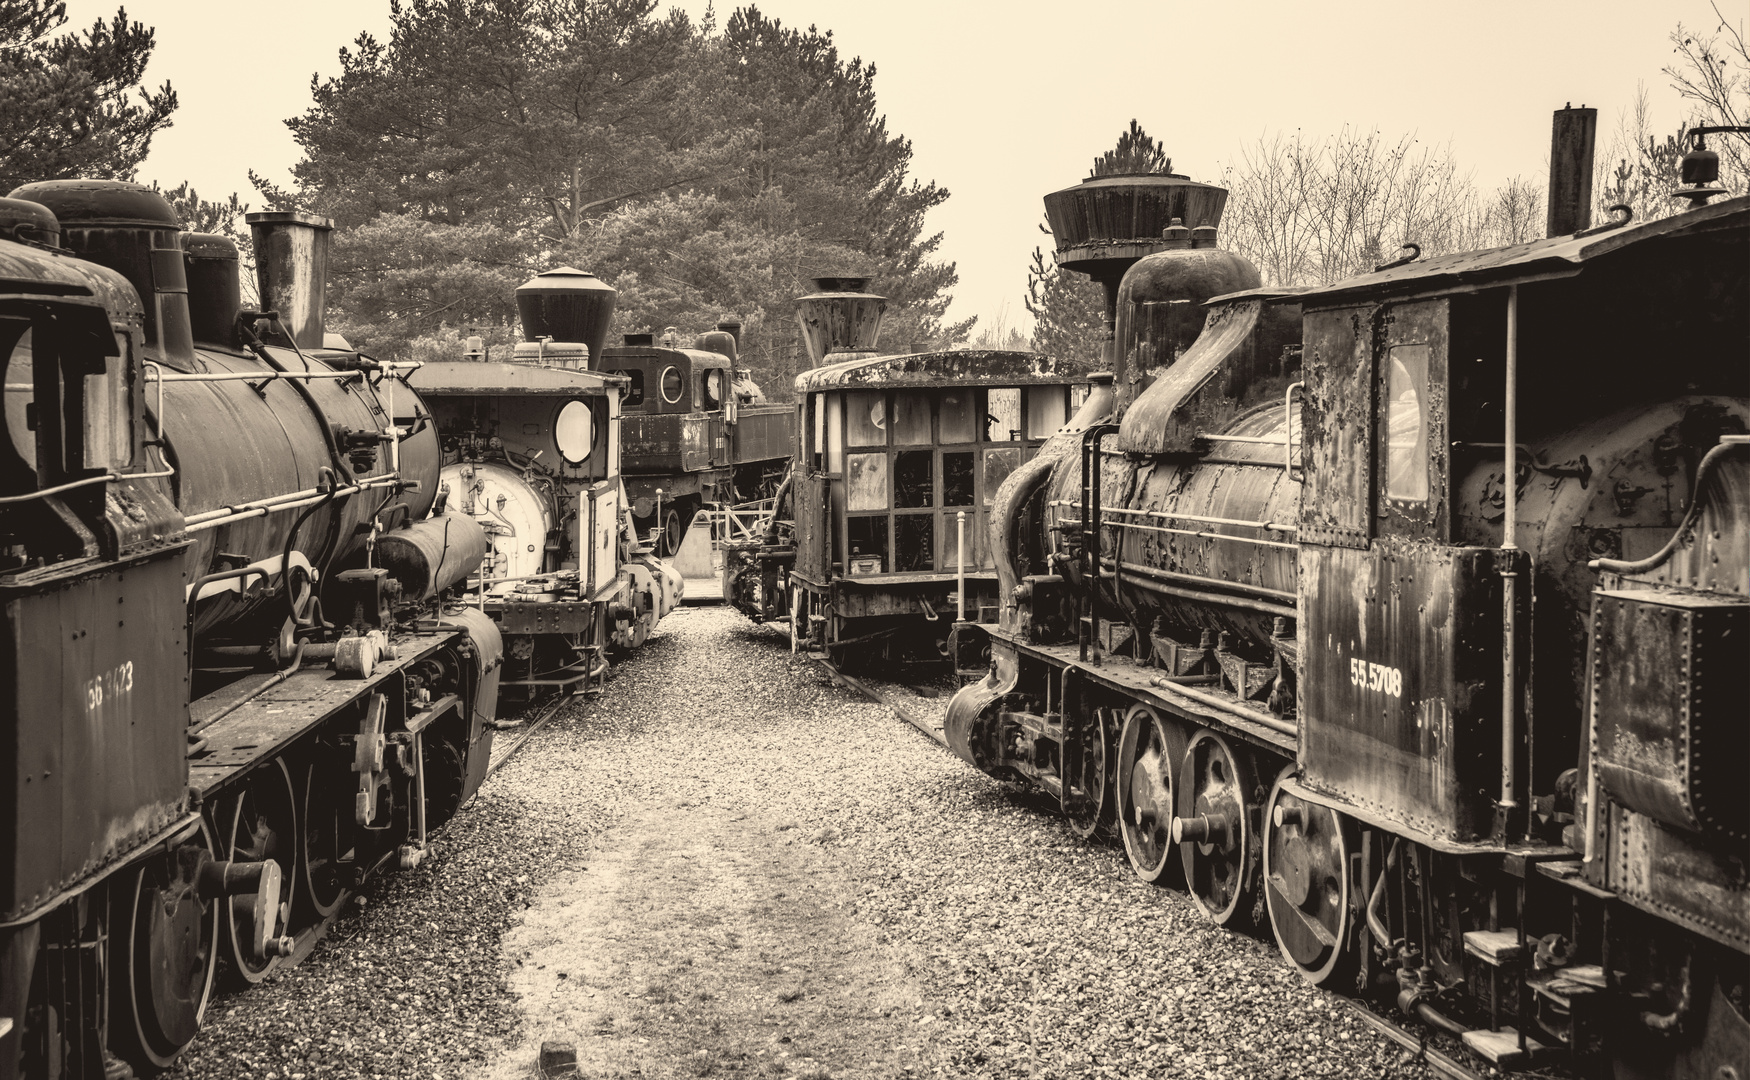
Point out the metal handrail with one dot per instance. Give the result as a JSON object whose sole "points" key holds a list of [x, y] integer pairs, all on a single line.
{"points": [[1166, 515]]}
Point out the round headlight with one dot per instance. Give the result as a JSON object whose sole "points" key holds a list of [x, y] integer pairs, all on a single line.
{"points": [[671, 385], [574, 432]]}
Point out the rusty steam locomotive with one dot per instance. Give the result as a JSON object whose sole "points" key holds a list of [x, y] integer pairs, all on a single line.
{"points": [[1407, 617], [235, 683], [875, 549]]}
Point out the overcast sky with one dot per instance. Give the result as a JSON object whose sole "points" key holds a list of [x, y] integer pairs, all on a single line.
{"points": [[1005, 102]]}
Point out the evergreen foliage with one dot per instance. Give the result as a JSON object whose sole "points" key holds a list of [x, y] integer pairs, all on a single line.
{"points": [[70, 108], [699, 171]]}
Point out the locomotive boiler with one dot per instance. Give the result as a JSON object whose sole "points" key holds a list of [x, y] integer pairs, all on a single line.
{"points": [[532, 452], [234, 684], [1405, 617]]}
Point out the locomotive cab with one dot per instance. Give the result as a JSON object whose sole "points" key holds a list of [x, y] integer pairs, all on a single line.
{"points": [[1419, 565]]}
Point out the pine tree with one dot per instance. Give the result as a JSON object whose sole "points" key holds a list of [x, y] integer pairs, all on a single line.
{"points": [[69, 98], [699, 172], [1136, 154]]}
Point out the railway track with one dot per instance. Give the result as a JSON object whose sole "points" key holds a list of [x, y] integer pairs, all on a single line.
{"points": [[1444, 1064]]}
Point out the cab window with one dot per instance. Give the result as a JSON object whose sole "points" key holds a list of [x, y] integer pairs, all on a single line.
{"points": [[635, 392], [1406, 459]]}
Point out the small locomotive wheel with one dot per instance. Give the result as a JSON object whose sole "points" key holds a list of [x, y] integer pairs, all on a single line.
{"points": [[671, 530], [325, 832], [1306, 884], [1213, 828], [163, 942], [1087, 798], [1147, 752], [262, 825]]}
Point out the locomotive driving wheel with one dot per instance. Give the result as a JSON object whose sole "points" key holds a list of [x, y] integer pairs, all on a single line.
{"points": [[1306, 884], [1213, 829], [1087, 798], [1148, 749], [262, 825], [164, 940], [325, 838], [446, 775]]}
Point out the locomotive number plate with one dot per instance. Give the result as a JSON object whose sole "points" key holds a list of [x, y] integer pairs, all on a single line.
{"points": [[1370, 676], [113, 685]]}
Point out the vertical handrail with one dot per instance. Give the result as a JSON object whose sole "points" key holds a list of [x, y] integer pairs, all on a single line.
{"points": [[1288, 428], [960, 576], [1509, 573]]}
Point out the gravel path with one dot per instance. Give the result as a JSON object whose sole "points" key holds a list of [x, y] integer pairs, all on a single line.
{"points": [[727, 866]]}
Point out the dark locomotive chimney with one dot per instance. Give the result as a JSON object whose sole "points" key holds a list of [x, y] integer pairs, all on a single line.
{"points": [[133, 231], [291, 269], [215, 295], [839, 320], [1570, 170], [731, 325], [569, 305]]}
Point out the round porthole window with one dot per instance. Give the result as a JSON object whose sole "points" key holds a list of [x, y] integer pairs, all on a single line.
{"points": [[574, 432], [671, 385]]}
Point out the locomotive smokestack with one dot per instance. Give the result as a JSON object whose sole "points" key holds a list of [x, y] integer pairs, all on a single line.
{"points": [[1570, 170], [567, 305], [839, 320], [1104, 224], [133, 231], [291, 269]]}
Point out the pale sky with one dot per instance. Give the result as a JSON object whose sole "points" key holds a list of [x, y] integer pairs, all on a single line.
{"points": [[1006, 102]]}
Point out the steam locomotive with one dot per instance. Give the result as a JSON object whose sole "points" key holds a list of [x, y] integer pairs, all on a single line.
{"points": [[698, 430], [874, 550], [235, 679], [1407, 617], [532, 452]]}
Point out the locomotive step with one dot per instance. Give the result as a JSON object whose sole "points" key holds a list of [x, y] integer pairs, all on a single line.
{"points": [[1501, 1048], [1497, 948]]}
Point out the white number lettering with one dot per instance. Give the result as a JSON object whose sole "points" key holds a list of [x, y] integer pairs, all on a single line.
{"points": [[1376, 677]]}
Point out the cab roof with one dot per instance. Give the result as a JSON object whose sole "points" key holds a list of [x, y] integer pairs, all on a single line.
{"points": [[472, 377], [949, 367], [1557, 256]]}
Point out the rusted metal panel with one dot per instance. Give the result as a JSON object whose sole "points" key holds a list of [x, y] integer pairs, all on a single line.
{"points": [[556, 618], [92, 712], [763, 433], [652, 442], [1670, 692], [1237, 364], [1400, 683], [1680, 876], [986, 367], [1336, 504]]}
